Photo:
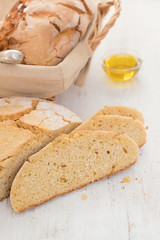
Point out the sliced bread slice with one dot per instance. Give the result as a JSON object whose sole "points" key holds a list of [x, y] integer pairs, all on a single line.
{"points": [[70, 162], [15, 147], [120, 110], [133, 128]]}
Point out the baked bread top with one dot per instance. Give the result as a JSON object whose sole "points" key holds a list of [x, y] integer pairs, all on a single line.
{"points": [[47, 30], [49, 116], [14, 107]]}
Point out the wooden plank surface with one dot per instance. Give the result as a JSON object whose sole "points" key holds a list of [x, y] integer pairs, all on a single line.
{"points": [[110, 212]]}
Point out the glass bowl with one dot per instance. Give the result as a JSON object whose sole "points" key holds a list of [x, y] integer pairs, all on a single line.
{"points": [[121, 66]]}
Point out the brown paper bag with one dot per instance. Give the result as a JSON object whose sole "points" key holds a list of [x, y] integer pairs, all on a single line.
{"points": [[47, 81]]}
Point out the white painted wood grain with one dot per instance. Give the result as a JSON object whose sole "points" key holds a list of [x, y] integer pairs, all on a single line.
{"points": [[110, 212]]}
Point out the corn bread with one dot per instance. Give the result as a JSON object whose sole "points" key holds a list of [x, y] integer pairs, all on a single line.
{"points": [[37, 122], [122, 111], [15, 147], [70, 162], [132, 128]]}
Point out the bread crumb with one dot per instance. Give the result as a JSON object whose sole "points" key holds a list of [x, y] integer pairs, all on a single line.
{"points": [[147, 127], [123, 187], [126, 179], [84, 196], [139, 180]]}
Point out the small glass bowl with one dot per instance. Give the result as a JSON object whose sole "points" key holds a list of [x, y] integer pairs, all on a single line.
{"points": [[123, 74]]}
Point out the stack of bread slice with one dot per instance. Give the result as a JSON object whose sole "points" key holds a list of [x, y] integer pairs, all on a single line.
{"points": [[120, 119], [102, 146], [26, 126]]}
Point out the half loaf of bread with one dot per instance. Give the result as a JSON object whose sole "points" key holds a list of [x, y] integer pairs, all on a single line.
{"points": [[70, 162], [37, 123]]}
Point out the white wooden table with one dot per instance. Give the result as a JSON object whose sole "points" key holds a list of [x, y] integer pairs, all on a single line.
{"points": [[113, 210]]}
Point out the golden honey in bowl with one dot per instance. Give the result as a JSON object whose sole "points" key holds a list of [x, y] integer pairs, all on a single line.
{"points": [[121, 67]]}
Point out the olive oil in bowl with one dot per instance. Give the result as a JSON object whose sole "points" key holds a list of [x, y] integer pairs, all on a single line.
{"points": [[121, 67]]}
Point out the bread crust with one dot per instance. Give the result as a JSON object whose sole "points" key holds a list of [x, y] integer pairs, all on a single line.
{"points": [[45, 31], [13, 108]]}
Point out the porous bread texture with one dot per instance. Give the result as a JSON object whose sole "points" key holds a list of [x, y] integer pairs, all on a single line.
{"points": [[45, 121], [47, 30], [133, 128], [120, 110], [15, 147], [70, 162]]}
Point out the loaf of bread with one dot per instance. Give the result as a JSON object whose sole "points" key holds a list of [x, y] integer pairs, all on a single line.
{"points": [[70, 162], [120, 110], [45, 30], [120, 124], [37, 123]]}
